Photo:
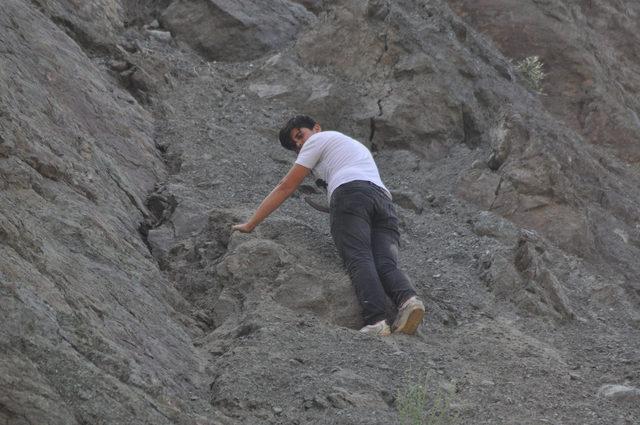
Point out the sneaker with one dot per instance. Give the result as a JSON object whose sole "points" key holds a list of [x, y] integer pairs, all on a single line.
{"points": [[378, 329], [409, 317]]}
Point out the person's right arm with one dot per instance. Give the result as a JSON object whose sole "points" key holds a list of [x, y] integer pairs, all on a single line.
{"points": [[278, 195]]}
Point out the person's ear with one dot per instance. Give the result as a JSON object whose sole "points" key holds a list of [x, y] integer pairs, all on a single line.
{"points": [[316, 127]]}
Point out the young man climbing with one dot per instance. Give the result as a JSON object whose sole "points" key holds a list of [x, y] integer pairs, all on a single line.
{"points": [[364, 224]]}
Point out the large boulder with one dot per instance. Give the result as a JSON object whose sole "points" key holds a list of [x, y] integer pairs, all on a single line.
{"points": [[234, 30], [225, 274]]}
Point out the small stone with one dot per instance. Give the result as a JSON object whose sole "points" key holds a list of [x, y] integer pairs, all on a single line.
{"points": [[268, 90], [408, 200], [495, 161], [438, 202], [620, 393], [194, 398], [477, 164], [487, 383], [129, 46], [127, 73], [295, 362], [449, 387], [160, 35], [84, 395], [337, 400], [314, 403], [277, 410], [119, 66]]}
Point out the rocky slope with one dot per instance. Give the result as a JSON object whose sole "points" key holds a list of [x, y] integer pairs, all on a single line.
{"points": [[133, 134]]}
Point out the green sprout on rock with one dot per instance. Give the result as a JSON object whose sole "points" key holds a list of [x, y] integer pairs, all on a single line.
{"points": [[531, 72]]}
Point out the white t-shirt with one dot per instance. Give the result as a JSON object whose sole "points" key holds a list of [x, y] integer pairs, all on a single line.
{"points": [[338, 159]]}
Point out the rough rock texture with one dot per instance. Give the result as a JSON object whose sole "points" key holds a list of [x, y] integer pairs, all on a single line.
{"points": [[235, 29], [526, 279], [126, 156], [89, 321], [590, 55], [94, 25]]}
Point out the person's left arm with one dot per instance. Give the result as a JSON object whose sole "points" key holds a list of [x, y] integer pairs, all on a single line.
{"points": [[278, 195]]}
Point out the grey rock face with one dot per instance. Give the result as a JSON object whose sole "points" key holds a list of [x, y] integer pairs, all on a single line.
{"points": [[95, 25], [87, 316], [539, 175], [509, 130], [527, 279], [236, 29], [126, 158], [492, 225], [591, 92]]}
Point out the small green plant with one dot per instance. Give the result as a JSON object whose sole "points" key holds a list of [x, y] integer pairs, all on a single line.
{"points": [[532, 73], [412, 403], [416, 406]]}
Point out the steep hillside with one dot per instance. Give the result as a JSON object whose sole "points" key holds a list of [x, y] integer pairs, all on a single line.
{"points": [[133, 134]]}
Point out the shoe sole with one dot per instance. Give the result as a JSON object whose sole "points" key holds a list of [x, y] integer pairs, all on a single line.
{"points": [[410, 325]]}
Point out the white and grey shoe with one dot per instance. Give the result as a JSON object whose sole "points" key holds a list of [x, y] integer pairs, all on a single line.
{"points": [[409, 317], [377, 329]]}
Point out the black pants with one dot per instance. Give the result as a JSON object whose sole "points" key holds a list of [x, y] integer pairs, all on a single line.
{"points": [[364, 226]]}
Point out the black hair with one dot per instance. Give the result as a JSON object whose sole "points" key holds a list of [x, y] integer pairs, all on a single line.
{"points": [[299, 121]]}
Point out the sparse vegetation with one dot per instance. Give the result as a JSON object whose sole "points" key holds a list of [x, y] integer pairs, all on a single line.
{"points": [[418, 405], [531, 72]]}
